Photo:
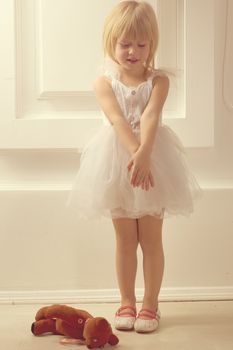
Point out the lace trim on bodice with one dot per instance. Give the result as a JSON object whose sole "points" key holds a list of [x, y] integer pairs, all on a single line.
{"points": [[115, 77], [127, 98]]}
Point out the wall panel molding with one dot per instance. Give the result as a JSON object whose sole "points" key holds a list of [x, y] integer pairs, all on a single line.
{"points": [[112, 295], [33, 110]]}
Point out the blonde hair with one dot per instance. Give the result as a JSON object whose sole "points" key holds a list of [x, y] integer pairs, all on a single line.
{"points": [[131, 19]]}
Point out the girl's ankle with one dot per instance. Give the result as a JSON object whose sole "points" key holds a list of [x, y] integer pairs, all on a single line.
{"points": [[150, 305], [127, 302]]}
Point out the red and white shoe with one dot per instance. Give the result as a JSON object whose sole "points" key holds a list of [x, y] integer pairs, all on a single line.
{"points": [[147, 321], [125, 318]]}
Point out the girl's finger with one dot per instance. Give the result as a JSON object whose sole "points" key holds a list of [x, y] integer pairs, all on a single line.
{"points": [[133, 177], [143, 184], [151, 179], [129, 166], [147, 183], [140, 180]]}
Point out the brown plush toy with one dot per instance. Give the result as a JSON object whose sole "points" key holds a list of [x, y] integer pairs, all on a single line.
{"points": [[78, 325]]}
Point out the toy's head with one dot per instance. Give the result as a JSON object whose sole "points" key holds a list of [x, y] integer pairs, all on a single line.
{"points": [[98, 332]]}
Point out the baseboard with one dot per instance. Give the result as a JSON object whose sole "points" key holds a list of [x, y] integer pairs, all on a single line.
{"points": [[112, 295]]}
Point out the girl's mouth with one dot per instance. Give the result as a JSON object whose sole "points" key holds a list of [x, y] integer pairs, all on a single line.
{"points": [[132, 60]]}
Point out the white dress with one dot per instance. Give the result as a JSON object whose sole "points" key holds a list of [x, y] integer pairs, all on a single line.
{"points": [[102, 186]]}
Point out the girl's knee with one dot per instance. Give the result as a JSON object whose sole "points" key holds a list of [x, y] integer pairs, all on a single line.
{"points": [[151, 247], [126, 235], [150, 233], [127, 245]]}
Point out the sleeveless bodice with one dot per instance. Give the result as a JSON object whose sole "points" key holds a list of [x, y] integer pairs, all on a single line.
{"points": [[132, 100]]}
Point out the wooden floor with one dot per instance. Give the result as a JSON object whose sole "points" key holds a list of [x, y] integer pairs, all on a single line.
{"points": [[184, 326]]}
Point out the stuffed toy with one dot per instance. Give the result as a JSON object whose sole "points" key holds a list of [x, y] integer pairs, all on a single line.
{"points": [[78, 325]]}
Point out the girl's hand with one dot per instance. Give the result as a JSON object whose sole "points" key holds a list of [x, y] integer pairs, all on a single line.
{"points": [[147, 182], [141, 174]]}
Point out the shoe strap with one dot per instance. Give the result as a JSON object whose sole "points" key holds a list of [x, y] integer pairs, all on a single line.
{"points": [[152, 314], [120, 311]]}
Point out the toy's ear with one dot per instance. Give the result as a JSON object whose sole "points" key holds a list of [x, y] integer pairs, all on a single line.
{"points": [[102, 324], [113, 340]]}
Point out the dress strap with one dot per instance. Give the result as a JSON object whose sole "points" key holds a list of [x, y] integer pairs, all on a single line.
{"points": [[154, 73], [109, 74], [151, 77]]}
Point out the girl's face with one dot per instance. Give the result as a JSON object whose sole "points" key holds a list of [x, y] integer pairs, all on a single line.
{"points": [[131, 54]]}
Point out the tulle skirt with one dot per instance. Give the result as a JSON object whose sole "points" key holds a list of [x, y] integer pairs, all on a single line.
{"points": [[102, 186]]}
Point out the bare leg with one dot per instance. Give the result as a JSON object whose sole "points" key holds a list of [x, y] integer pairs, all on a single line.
{"points": [[126, 258], [150, 239]]}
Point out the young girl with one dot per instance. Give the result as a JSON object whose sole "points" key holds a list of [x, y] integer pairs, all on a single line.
{"points": [[134, 169]]}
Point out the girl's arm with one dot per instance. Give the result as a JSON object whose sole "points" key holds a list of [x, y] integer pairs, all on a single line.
{"points": [[150, 117], [140, 162], [109, 104]]}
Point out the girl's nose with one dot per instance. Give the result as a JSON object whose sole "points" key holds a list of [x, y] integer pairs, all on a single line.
{"points": [[131, 49]]}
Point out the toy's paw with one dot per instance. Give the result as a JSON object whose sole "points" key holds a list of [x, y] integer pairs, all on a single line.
{"points": [[113, 340], [72, 341], [32, 327]]}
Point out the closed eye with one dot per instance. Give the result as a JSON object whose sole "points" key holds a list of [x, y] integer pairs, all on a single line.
{"points": [[125, 45]]}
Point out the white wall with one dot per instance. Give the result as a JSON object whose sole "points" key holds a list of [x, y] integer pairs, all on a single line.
{"points": [[46, 253]]}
